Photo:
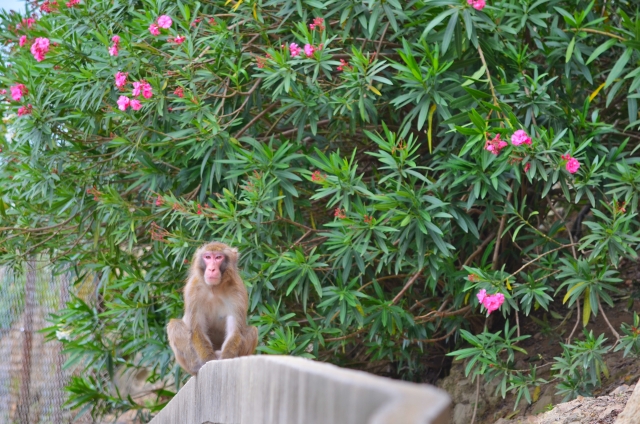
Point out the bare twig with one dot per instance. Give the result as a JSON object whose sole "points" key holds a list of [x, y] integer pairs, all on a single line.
{"points": [[406, 286], [539, 257], [613, 330], [37, 230], [475, 407], [575, 327], [496, 248], [255, 118], [480, 249], [386, 27]]}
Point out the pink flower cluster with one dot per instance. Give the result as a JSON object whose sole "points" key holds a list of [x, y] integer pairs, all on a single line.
{"points": [[139, 87], [121, 79], [17, 91], [294, 49], [317, 23], [142, 87], [572, 163], [24, 110], [178, 40], [309, 49], [23, 41], [39, 48], [163, 21], [72, 3], [113, 50], [520, 137], [343, 64], [494, 146], [49, 6], [28, 22], [179, 92], [492, 301], [477, 4]]}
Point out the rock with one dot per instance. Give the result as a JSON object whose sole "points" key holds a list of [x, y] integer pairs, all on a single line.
{"points": [[631, 413], [619, 390]]}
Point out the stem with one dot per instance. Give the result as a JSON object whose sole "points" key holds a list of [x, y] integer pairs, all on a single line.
{"points": [[613, 330], [486, 68], [406, 286], [479, 249], [496, 248], [577, 321], [475, 407], [596, 31], [538, 258]]}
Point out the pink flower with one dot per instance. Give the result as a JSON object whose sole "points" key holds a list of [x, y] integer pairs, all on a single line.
{"points": [[294, 49], [123, 102], [179, 39], [137, 87], [520, 137], [572, 164], [343, 64], [477, 4], [146, 90], [494, 146], [3, 91], [527, 167], [492, 301], [121, 79], [39, 48], [135, 104], [72, 3], [317, 23], [23, 40], [24, 110], [153, 29], [309, 50], [481, 295], [179, 92], [113, 50], [115, 39], [164, 21], [17, 91]]}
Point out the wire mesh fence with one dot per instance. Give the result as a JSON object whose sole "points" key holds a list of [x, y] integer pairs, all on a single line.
{"points": [[32, 376]]}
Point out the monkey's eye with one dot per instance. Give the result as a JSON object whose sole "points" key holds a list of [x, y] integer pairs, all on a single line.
{"points": [[218, 257], [207, 256]]}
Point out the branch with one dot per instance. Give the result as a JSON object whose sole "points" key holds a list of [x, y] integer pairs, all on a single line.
{"points": [[36, 230], [478, 250], [496, 248], [255, 118], [539, 257], [406, 286]]}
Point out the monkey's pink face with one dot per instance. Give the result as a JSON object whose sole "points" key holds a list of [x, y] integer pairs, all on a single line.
{"points": [[214, 265]]}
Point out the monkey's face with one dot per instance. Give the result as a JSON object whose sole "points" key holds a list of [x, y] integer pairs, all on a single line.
{"points": [[214, 265]]}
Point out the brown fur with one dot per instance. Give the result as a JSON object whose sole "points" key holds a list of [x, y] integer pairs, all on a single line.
{"points": [[201, 334]]}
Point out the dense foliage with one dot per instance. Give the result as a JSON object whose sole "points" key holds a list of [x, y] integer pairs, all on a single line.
{"points": [[378, 163]]}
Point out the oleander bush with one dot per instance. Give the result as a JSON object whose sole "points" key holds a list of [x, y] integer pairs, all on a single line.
{"points": [[392, 172]]}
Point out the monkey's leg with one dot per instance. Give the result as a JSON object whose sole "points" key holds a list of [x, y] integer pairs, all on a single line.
{"points": [[180, 342], [250, 341], [202, 346], [231, 348]]}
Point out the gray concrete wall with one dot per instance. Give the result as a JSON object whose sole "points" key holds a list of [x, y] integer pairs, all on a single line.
{"points": [[289, 390]]}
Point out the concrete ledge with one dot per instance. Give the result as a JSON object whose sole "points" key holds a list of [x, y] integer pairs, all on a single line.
{"points": [[290, 390]]}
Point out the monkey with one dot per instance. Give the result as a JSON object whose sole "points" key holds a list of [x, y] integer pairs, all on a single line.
{"points": [[214, 325]]}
